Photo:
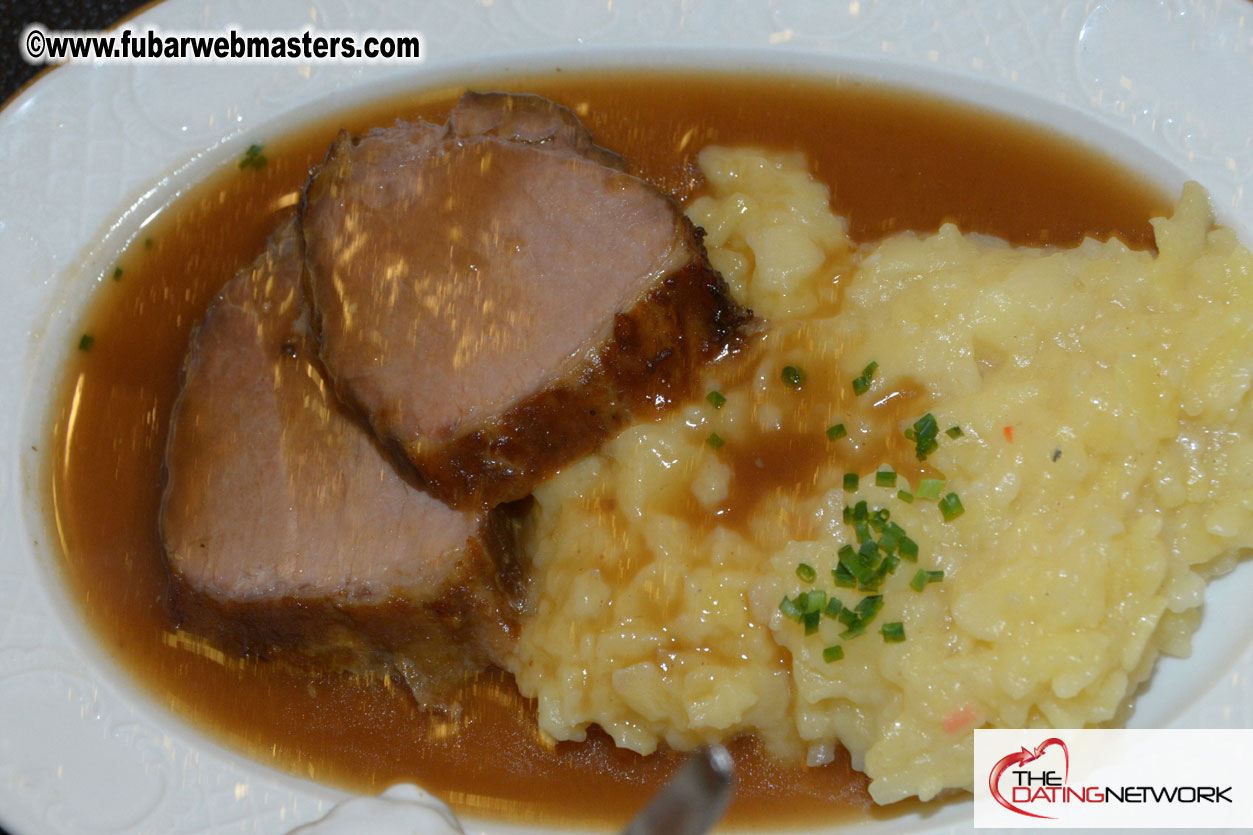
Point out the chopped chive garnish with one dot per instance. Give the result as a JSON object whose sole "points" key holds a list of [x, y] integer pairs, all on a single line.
{"points": [[117, 273], [871, 583], [793, 376], [861, 511], [951, 507], [905, 496], [847, 616], [862, 529], [861, 385], [791, 609], [806, 572], [894, 632], [869, 606], [810, 619], [850, 482], [834, 433], [85, 342], [923, 433], [842, 576], [953, 432], [923, 577], [832, 653], [716, 399], [715, 440], [930, 488], [908, 549], [812, 601], [885, 478], [854, 630], [833, 607], [891, 538], [253, 158]]}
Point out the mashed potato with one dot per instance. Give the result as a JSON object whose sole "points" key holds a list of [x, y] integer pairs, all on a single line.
{"points": [[1099, 399]]}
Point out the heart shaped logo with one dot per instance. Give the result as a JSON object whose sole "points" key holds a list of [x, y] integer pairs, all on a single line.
{"points": [[1020, 758]]}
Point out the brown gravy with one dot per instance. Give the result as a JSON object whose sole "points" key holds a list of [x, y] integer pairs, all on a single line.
{"points": [[895, 161]]}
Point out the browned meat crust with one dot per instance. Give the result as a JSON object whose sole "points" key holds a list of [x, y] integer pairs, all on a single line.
{"points": [[428, 645], [652, 361]]}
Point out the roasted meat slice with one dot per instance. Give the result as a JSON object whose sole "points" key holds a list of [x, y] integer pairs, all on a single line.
{"points": [[498, 297], [288, 531]]}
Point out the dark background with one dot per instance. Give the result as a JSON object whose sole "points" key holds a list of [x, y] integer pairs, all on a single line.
{"points": [[15, 15]]}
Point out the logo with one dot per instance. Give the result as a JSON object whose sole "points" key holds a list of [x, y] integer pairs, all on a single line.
{"points": [[1021, 758], [1108, 777]]}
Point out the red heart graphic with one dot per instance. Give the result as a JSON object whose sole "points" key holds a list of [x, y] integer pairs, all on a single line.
{"points": [[1023, 757]]}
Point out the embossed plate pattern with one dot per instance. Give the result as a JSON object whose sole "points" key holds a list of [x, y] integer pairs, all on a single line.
{"points": [[90, 152]]}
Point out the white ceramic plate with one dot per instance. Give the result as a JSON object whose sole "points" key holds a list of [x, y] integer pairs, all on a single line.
{"points": [[90, 153]]}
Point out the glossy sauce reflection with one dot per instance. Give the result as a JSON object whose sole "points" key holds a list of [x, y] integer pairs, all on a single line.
{"points": [[895, 162]]}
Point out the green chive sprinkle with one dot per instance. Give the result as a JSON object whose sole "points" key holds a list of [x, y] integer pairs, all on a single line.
{"points": [[869, 606], [861, 385], [891, 539], [848, 617], [923, 433], [806, 572], [885, 478], [812, 601], [861, 511], [908, 549], [715, 440], [893, 633], [834, 433], [854, 630], [843, 577], [793, 376], [253, 158], [922, 578], [954, 432], [905, 496], [716, 399], [850, 482], [930, 488], [951, 507], [790, 609], [810, 619], [833, 607], [832, 653], [85, 342]]}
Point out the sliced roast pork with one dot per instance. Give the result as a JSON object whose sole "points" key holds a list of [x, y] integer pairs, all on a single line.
{"points": [[288, 531], [498, 296]]}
